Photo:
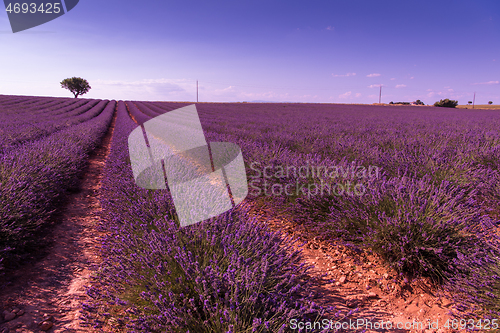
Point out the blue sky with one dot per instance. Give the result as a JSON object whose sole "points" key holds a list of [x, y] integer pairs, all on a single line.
{"points": [[299, 51]]}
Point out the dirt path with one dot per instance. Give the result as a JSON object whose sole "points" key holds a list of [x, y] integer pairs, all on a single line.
{"points": [[53, 289], [349, 280]]}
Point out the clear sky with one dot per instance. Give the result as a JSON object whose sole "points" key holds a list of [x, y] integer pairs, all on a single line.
{"points": [[245, 50]]}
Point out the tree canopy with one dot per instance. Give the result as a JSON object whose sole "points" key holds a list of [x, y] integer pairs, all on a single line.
{"points": [[447, 103], [76, 85]]}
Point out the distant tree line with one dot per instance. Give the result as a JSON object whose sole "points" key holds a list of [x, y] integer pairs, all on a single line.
{"points": [[418, 102]]}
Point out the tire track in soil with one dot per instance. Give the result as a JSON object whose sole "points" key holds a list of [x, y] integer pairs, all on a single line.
{"points": [[54, 286]]}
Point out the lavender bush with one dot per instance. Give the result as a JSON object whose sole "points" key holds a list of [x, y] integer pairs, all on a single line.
{"points": [[36, 175], [139, 116], [433, 210], [21, 125], [227, 274]]}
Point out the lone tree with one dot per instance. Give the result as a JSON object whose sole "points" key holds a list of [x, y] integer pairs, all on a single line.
{"points": [[447, 103], [76, 85], [469, 102], [490, 102], [419, 102]]}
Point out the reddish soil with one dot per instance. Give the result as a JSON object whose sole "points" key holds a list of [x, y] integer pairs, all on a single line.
{"points": [[53, 288], [348, 280]]}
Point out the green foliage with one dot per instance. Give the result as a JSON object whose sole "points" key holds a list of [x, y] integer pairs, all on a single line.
{"points": [[419, 102], [490, 102], [469, 102], [447, 103], [76, 85]]}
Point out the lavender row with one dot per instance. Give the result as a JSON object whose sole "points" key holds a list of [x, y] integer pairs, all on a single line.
{"points": [[430, 211], [472, 164], [227, 274], [139, 116], [22, 104], [38, 114], [24, 128], [73, 108], [162, 107], [147, 109], [9, 99], [19, 111], [35, 176], [437, 172]]}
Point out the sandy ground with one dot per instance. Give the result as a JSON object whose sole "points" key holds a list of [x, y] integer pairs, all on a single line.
{"points": [[53, 288], [350, 280]]}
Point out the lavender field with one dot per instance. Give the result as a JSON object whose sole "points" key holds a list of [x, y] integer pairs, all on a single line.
{"points": [[418, 186], [44, 144]]}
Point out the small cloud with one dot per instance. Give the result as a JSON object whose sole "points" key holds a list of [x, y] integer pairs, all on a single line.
{"points": [[488, 83], [373, 75], [451, 90], [400, 85], [446, 87], [375, 85], [393, 79], [230, 88], [433, 93], [348, 74], [358, 94], [429, 90], [330, 28], [345, 95], [411, 78]]}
